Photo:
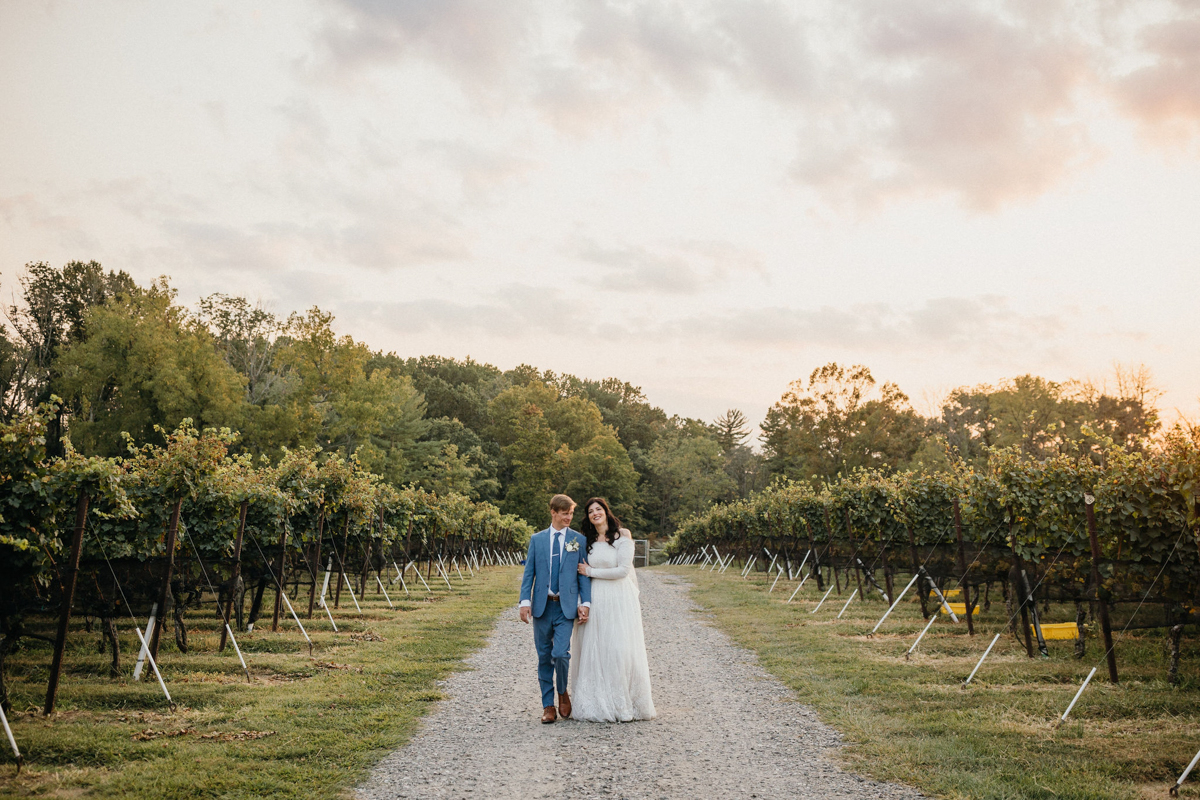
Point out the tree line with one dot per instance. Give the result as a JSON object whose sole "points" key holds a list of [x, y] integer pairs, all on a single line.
{"points": [[129, 361]]}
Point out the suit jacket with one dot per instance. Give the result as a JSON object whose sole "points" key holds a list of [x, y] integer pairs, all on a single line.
{"points": [[573, 588]]}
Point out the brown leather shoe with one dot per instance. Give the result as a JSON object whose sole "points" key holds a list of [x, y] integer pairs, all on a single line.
{"points": [[549, 715], [564, 705]]}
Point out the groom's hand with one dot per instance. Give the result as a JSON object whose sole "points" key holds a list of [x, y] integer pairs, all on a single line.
{"points": [[583, 613], [526, 614]]}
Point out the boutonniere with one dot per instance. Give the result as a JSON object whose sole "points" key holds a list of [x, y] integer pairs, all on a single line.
{"points": [[573, 546]]}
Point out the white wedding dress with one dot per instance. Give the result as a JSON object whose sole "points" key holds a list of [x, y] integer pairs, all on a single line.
{"points": [[610, 679]]}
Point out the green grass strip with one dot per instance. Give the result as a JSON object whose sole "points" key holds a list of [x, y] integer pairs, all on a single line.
{"points": [[911, 721], [321, 722]]}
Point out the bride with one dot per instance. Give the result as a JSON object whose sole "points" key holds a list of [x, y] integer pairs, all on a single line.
{"points": [[610, 679]]}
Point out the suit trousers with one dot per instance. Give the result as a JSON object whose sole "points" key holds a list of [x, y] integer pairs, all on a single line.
{"points": [[552, 639]]}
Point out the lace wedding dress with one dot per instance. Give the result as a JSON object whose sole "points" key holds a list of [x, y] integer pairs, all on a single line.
{"points": [[610, 679]]}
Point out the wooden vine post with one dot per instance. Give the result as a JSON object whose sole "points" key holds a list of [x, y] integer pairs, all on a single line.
{"points": [[962, 566], [854, 555], [341, 557], [316, 562], [237, 573], [164, 591], [280, 588], [837, 581], [60, 641], [922, 589], [1101, 607], [1016, 584]]}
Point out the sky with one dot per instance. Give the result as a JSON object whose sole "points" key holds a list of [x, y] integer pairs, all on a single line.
{"points": [[708, 199]]}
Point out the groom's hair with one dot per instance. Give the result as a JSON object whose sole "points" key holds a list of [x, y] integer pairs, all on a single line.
{"points": [[561, 502]]}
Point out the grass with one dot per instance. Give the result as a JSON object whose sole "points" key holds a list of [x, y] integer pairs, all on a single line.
{"points": [[306, 726], [913, 721]]}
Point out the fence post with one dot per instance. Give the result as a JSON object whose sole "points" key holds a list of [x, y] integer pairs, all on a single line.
{"points": [[64, 619], [1105, 624], [165, 590], [962, 565], [237, 571]]}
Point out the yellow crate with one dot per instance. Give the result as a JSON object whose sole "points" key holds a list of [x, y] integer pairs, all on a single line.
{"points": [[1060, 630], [960, 609], [953, 594]]}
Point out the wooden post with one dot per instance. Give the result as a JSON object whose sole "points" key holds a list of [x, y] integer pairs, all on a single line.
{"points": [[64, 618], [237, 569], [922, 590], [1102, 607], [316, 562], [854, 549], [165, 590], [279, 582], [962, 565], [337, 593]]}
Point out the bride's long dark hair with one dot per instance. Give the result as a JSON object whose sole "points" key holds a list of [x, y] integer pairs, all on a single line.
{"points": [[589, 530]]}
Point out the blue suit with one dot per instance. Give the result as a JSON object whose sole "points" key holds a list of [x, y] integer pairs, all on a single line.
{"points": [[553, 620]]}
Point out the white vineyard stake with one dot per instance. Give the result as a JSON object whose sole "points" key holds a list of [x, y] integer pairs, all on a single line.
{"points": [[980, 664], [445, 577], [1183, 777], [237, 649], [1086, 680], [11, 739], [801, 586], [945, 605], [749, 566], [818, 608], [153, 665], [385, 594], [777, 577], [141, 659], [419, 575], [893, 605], [932, 620], [851, 597], [348, 588]]}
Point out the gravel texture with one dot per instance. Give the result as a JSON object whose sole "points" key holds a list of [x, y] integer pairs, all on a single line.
{"points": [[725, 728]]}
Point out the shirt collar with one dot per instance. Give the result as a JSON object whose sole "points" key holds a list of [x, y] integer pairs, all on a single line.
{"points": [[559, 532]]}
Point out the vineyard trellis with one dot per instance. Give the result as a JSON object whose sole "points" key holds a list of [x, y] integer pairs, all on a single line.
{"points": [[152, 534], [1121, 528]]}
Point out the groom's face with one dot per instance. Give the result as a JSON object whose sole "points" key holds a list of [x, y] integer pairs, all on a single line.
{"points": [[561, 519]]}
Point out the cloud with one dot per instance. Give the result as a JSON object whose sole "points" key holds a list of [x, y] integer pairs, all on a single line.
{"points": [[978, 99], [687, 268], [1164, 94]]}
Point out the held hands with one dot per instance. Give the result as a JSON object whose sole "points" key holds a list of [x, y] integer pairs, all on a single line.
{"points": [[583, 613], [584, 569]]}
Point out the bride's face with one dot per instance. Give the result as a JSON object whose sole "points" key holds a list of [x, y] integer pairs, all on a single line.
{"points": [[596, 514]]}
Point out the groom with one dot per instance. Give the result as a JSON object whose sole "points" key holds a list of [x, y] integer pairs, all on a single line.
{"points": [[552, 593]]}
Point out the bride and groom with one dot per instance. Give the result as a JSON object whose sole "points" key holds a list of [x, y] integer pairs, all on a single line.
{"points": [[582, 586]]}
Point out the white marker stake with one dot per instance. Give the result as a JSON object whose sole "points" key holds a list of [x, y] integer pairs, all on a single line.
{"points": [[771, 566], [237, 649], [11, 740], [818, 608], [777, 577], [141, 659], [801, 586], [325, 585], [397, 568], [728, 564], [419, 575], [445, 577], [932, 620], [297, 618], [325, 606], [749, 565], [945, 605], [980, 664], [843, 611], [348, 588], [893, 605], [385, 594], [153, 665], [717, 559], [1086, 680], [1183, 777]]}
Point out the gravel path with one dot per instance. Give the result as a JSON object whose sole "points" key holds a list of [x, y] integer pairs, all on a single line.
{"points": [[725, 728]]}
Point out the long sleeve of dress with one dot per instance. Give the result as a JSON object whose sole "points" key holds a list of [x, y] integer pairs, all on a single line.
{"points": [[624, 548]]}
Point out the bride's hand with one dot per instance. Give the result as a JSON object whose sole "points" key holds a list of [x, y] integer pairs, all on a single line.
{"points": [[584, 569]]}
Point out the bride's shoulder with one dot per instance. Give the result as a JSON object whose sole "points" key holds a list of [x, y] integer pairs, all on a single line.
{"points": [[625, 534]]}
